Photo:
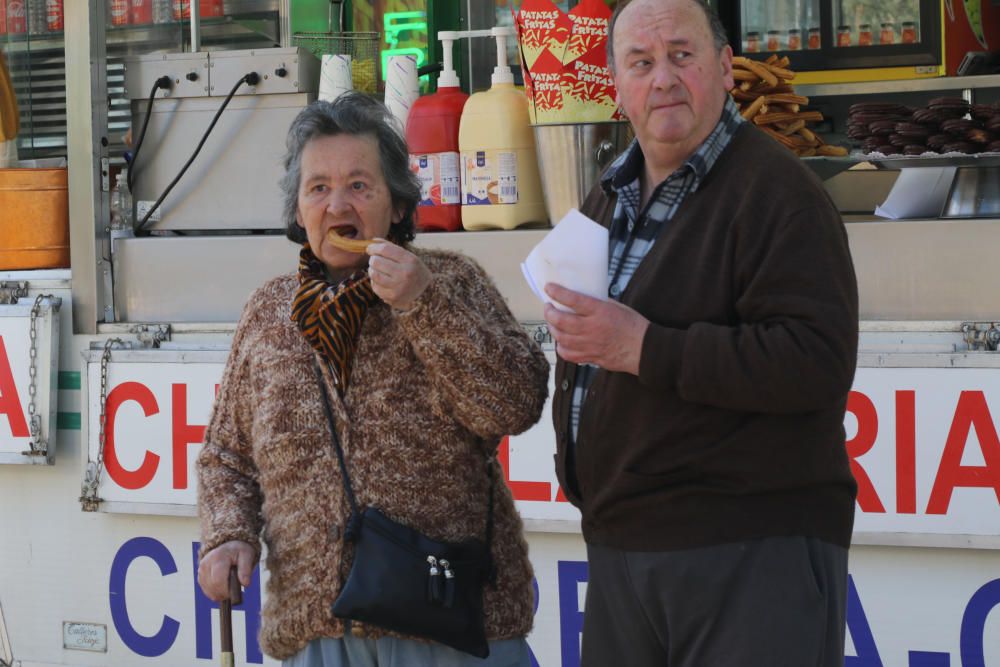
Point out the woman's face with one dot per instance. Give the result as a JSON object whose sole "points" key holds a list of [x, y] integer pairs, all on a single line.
{"points": [[343, 189]]}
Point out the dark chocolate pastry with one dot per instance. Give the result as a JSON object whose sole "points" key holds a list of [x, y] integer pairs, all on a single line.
{"points": [[929, 116], [993, 124], [983, 112], [868, 118], [978, 135], [914, 149], [912, 130], [936, 141], [994, 147], [888, 149], [947, 101], [877, 107], [899, 141], [959, 147], [882, 128], [958, 126]]}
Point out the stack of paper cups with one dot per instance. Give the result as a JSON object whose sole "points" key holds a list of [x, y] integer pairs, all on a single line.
{"points": [[401, 87], [334, 76]]}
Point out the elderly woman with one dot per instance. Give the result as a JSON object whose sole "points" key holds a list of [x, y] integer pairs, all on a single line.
{"points": [[423, 365]]}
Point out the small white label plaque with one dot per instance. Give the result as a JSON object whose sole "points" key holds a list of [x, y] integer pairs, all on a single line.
{"points": [[85, 636]]}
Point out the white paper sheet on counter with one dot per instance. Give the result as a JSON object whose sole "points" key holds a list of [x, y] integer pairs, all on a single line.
{"points": [[917, 193]]}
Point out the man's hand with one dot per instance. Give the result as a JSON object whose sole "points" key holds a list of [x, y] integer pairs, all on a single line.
{"points": [[398, 276], [213, 571], [605, 333]]}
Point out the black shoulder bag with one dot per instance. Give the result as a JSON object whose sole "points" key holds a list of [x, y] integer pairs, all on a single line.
{"points": [[403, 581]]}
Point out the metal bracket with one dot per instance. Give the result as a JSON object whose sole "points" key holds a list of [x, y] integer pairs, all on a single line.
{"points": [[10, 292], [151, 335], [983, 336], [539, 332]]}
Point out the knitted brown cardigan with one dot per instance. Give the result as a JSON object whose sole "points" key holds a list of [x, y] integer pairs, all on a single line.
{"points": [[427, 386]]}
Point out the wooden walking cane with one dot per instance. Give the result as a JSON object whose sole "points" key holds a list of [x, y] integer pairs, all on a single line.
{"points": [[226, 619]]}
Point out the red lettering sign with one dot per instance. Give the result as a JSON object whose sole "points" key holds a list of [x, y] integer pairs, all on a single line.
{"points": [[972, 412], [10, 402], [184, 434], [860, 444], [143, 475]]}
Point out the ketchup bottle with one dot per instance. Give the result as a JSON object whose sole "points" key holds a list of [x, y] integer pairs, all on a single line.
{"points": [[432, 137]]}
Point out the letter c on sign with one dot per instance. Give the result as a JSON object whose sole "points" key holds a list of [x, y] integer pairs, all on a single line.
{"points": [[143, 475], [160, 643]]}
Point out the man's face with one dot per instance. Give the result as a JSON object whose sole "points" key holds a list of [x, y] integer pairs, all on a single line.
{"points": [[671, 80]]}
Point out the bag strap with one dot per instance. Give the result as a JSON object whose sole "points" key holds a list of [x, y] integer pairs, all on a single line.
{"points": [[353, 527]]}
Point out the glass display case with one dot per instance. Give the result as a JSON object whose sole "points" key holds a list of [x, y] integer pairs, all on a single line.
{"points": [[834, 37], [32, 37]]}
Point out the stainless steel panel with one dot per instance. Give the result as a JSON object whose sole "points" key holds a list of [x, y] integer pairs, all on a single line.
{"points": [[301, 71], [901, 86], [85, 83], [142, 72], [208, 278], [926, 270], [907, 271], [195, 279], [233, 183], [975, 193], [500, 253]]}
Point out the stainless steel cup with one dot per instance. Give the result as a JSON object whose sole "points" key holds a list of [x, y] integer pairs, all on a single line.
{"points": [[571, 159]]}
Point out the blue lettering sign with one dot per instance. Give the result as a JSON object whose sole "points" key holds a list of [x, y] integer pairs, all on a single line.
{"points": [[973, 635], [861, 632], [571, 574], [159, 643], [203, 615]]}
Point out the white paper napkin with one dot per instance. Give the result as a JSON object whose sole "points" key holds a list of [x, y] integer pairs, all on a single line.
{"points": [[574, 254]]}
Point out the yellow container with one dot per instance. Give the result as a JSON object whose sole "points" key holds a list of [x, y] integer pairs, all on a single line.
{"points": [[34, 219], [501, 188]]}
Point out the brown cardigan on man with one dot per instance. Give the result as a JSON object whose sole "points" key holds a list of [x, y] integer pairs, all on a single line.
{"points": [[733, 429], [427, 386]]}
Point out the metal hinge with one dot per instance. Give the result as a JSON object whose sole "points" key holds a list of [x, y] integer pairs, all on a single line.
{"points": [[151, 335], [11, 292], [983, 336]]}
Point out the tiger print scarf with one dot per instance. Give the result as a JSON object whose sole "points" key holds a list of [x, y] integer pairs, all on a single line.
{"points": [[330, 315]]}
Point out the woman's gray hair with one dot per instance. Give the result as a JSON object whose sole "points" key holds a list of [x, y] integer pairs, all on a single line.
{"points": [[354, 114], [715, 26]]}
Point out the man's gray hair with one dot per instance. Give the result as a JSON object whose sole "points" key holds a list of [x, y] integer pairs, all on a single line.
{"points": [[354, 114], [715, 26]]}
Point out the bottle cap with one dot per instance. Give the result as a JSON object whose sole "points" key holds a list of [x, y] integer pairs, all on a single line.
{"points": [[448, 78], [502, 73]]}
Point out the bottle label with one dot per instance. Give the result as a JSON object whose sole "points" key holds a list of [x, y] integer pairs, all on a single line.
{"points": [[439, 178], [489, 177]]}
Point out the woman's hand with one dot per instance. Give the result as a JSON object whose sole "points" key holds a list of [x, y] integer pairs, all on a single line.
{"points": [[213, 571], [398, 276]]}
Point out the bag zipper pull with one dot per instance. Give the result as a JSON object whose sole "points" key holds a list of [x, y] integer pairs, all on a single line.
{"points": [[433, 579], [449, 584]]}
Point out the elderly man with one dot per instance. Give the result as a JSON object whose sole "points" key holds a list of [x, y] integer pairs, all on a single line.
{"points": [[699, 410]]}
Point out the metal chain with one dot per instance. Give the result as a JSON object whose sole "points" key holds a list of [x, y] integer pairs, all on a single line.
{"points": [[38, 446], [92, 479]]}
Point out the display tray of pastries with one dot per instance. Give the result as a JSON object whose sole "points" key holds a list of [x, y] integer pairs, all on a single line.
{"points": [[948, 131]]}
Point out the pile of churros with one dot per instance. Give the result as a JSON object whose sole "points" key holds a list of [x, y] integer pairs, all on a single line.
{"points": [[767, 99]]}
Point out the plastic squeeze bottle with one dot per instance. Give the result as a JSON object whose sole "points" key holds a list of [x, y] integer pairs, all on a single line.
{"points": [[501, 188], [432, 137]]}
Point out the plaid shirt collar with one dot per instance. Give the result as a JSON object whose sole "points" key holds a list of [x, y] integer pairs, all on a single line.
{"points": [[622, 177]]}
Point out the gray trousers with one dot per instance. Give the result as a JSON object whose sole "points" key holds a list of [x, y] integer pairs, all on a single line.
{"points": [[351, 651], [778, 602]]}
